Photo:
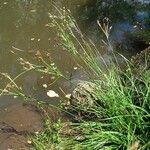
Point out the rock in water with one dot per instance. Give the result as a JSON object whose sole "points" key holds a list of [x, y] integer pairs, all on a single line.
{"points": [[84, 95], [141, 61]]}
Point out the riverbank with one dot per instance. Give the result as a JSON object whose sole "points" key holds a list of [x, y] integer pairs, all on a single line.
{"points": [[109, 113]]}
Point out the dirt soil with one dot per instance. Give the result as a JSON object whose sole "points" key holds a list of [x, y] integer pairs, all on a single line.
{"points": [[12, 141], [17, 122]]}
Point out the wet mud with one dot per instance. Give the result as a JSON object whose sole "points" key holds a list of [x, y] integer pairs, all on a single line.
{"points": [[17, 123]]}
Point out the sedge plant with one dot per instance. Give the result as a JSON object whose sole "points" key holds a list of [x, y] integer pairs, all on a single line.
{"points": [[122, 104]]}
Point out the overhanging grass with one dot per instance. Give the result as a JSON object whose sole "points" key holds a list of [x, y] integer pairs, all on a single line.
{"points": [[121, 109]]}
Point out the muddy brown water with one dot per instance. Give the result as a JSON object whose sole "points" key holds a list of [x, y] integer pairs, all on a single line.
{"points": [[23, 32]]}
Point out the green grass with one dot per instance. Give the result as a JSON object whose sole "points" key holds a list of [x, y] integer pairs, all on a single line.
{"points": [[122, 120], [121, 109], [48, 139]]}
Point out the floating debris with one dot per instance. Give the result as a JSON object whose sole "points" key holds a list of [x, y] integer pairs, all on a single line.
{"points": [[15, 97], [37, 132], [29, 142], [53, 77], [75, 68], [52, 93], [32, 39], [5, 3], [52, 64], [33, 10], [68, 96], [44, 85]]}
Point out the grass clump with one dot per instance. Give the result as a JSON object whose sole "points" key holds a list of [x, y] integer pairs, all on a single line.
{"points": [[121, 108], [122, 116], [48, 139], [121, 121], [122, 105]]}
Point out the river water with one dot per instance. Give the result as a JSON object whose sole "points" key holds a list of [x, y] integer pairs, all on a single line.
{"points": [[23, 32]]}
